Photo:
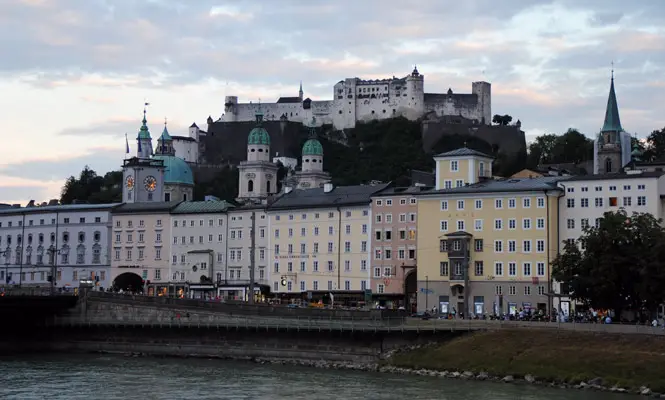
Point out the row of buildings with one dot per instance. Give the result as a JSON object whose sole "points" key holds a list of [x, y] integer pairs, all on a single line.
{"points": [[472, 244]]}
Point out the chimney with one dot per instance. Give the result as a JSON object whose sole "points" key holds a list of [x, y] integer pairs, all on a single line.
{"points": [[327, 187]]}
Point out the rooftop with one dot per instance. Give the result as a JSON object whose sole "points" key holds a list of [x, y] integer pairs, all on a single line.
{"points": [[463, 152], [157, 206], [201, 207], [58, 208], [402, 191], [600, 177], [505, 185], [319, 198]]}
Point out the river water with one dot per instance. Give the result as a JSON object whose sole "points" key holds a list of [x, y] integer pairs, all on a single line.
{"points": [[117, 377]]}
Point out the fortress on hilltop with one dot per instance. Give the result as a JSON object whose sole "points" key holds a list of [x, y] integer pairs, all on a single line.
{"points": [[356, 100]]}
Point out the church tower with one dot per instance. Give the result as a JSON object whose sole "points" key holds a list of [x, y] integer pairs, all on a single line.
{"points": [[143, 177], [300, 92], [165, 143], [610, 147], [257, 175], [311, 174]]}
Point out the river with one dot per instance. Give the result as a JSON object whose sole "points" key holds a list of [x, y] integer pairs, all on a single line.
{"points": [[117, 377]]}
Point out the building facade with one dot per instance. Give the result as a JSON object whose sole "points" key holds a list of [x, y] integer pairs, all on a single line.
{"points": [[68, 241], [485, 246], [320, 243], [198, 248], [356, 100], [393, 242], [141, 248], [235, 282], [257, 175]]}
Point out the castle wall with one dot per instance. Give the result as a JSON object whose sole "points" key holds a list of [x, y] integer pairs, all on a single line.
{"points": [[365, 100]]}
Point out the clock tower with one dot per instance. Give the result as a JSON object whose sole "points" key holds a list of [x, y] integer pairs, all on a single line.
{"points": [[143, 176], [257, 175]]}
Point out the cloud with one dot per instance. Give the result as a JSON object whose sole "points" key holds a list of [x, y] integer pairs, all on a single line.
{"points": [[83, 68]]}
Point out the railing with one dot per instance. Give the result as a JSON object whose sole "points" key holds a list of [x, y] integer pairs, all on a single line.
{"points": [[347, 324]]}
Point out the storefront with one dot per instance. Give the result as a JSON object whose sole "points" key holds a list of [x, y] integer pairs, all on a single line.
{"points": [[202, 291], [233, 292]]}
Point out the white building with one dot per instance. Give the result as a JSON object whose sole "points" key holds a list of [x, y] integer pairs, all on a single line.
{"points": [[356, 100], [72, 240], [588, 197], [187, 147], [198, 247], [236, 276]]}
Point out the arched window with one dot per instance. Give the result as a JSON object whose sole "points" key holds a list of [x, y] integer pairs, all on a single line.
{"points": [[268, 186], [608, 165], [250, 185]]}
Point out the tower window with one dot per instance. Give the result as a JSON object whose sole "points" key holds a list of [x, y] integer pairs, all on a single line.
{"points": [[167, 196], [608, 165], [268, 186], [250, 186]]}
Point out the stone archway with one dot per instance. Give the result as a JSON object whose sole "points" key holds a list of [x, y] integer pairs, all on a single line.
{"points": [[128, 282]]}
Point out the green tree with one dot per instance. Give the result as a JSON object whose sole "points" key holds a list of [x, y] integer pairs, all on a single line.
{"points": [[621, 266], [92, 188], [571, 147], [541, 150], [655, 146], [502, 119]]}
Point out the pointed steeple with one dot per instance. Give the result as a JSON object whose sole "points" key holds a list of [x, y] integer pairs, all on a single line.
{"points": [[144, 132], [300, 92], [612, 121]]}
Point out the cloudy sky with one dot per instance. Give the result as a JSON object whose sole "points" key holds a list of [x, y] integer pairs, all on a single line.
{"points": [[75, 73]]}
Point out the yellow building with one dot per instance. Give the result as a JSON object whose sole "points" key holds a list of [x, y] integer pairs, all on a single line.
{"points": [[485, 246], [320, 242]]}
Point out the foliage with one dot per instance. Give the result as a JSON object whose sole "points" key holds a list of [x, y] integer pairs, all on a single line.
{"points": [[501, 119], [621, 266], [655, 146], [92, 188], [571, 147]]}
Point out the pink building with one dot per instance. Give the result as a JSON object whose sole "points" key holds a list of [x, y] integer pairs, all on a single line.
{"points": [[393, 246]]}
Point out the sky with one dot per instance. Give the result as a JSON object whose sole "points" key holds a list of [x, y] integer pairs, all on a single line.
{"points": [[75, 74]]}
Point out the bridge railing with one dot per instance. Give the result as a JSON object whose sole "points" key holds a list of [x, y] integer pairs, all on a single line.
{"points": [[347, 324], [266, 310]]}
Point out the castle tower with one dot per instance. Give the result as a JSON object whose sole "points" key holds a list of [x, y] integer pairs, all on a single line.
{"points": [[143, 177], [257, 175], [311, 174], [415, 84], [609, 157], [165, 143]]}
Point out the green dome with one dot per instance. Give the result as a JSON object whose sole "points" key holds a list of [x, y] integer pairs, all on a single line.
{"points": [[144, 133], [312, 147], [177, 171], [259, 135]]}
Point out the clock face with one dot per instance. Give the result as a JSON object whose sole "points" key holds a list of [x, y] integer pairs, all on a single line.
{"points": [[150, 183], [129, 182]]}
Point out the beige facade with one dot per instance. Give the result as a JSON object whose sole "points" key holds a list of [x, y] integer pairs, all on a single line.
{"points": [[394, 239], [140, 241], [487, 247], [320, 249]]}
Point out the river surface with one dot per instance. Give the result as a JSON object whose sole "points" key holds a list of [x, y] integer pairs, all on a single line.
{"points": [[117, 377]]}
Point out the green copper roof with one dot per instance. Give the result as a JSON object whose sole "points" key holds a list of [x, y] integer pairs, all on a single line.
{"points": [[144, 133], [612, 122], [165, 134], [312, 147], [259, 135], [176, 171]]}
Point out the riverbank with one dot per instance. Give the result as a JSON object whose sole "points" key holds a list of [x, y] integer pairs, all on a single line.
{"points": [[580, 360]]}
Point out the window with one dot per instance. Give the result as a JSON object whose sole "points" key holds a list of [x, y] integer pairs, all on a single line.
{"points": [[526, 269], [443, 226], [527, 290], [584, 203], [460, 225], [540, 269], [498, 246], [457, 245], [613, 202], [526, 202], [599, 201], [570, 203], [541, 202], [443, 245], [478, 244], [584, 223], [443, 268], [526, 246], [512, 223], [570, 223], [526, 223], [479, 268], [641, 187], [512, 269], [460, 204], [498, 203], [498, 290], [540, 223], [540, 246], [478, 204], [627, 201], [498, 268], [512, 246], [512, 203], [498, 224], [512, 290], [641, 200], [459, 183], [478, 224], [454, 166]]}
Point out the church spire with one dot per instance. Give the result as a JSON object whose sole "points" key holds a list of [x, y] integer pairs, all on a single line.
{"points": [[612, 122], [300, 92]]}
